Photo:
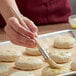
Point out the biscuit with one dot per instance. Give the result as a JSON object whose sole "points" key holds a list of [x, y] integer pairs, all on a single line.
{"points": [[73, 65], [34, 51], [22, 73], [48, 71], [28, 63], [9, 55], [60, 56], [4, 69], [64, 42]]}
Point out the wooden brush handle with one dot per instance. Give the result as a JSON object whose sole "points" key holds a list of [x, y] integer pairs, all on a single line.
{"points": [[43, 51]]}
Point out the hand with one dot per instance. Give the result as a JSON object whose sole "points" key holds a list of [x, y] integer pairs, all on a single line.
{"points": [[18, 34]]}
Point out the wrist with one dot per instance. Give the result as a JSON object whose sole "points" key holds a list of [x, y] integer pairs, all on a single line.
{"points": [[5, 8], [8, 14]]}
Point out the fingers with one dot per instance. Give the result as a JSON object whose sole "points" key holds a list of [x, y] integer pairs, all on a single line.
{"points": [[18, 39], [14, 23], [18, 34], [31, 25]]}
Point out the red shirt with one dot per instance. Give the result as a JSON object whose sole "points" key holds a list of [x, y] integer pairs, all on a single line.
{"points": [[44, 11]]}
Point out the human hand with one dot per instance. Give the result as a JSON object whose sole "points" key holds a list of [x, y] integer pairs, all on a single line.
{"points": [[18, 34]]}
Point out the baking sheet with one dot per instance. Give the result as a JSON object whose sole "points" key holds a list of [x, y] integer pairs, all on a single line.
{"points": [[45, 40]]}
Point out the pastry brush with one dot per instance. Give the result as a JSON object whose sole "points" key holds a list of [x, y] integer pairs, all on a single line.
{"points": [[45, 55]]}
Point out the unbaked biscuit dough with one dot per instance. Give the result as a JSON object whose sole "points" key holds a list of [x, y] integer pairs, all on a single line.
{"points": [[48, 71], [73, 65], [28, 63], [22, 73], [4, 69], [64, 42], [33, 51], [9, 55], [60, 56]]}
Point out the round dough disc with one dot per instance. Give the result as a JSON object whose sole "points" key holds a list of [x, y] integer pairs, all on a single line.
{"points": [[47, 71], [4, 69], [33, 51], [60, 56], [22, 73], [29, 63], [9, 55], [64, 42], [73, 65]]}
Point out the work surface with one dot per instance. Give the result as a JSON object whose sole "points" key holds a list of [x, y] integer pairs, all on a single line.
{"points": [[42, 29]]}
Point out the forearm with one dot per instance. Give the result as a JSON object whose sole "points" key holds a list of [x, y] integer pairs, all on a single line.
{"points": [[5, 10]]}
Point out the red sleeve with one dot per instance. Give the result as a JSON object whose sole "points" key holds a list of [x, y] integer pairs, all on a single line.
{"points": [[44, 11], [2, 22]]}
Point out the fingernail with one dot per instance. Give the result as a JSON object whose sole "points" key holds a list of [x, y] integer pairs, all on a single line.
{"points": [[36, 35]]}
